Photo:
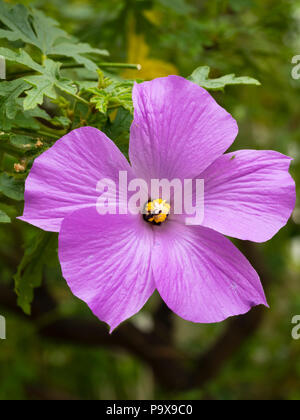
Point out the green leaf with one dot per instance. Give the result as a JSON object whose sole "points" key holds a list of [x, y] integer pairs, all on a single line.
{"points": [[12, 187], [100, 100], [40, 250], [121, 94], [44, 85], [24, 119], [36, 113], [16, 19], [33, 27], [22, 142], [38, 86], [77, 51], [11, 92], [21, 57], [41, 87], [11, 106], [61, 121], [47, 31], [118, 130], [4, 218], [114, 95], [200, 76], [18, 145]]}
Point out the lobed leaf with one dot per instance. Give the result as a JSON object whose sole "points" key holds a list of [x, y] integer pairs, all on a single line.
{"points": [[33, 27], [10, 92], [4, 218], [117, 93], [36, 86], [12, 187], [23, 142], [200, 76], [77, 51], [40, 250]]}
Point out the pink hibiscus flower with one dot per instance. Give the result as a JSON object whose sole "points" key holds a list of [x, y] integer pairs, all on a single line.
{"points": [[114, 262]]}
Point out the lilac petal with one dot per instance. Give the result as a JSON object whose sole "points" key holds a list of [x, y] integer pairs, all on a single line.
{"points": [[106, 262], [202, 276], [249, 194], [178, 129], [64, 178]]}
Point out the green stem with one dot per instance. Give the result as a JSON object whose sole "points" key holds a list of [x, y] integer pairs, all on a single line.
{"points": [[66, 66], [110, 65], [78, 98], [49, 135], [36, 135]]}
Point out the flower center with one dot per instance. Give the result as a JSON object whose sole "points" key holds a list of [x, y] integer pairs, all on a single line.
{"points": [[156, 211]]}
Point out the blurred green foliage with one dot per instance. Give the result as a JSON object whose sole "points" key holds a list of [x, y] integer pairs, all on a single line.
{"points": [[249, 38]]}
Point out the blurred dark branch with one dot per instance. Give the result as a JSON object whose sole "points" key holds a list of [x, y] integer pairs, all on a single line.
{"points": [[163, 322], [40, 392], [164, 360], [172, 369], [238, 330]]}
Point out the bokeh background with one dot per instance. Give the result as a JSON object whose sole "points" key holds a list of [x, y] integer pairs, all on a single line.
{"points": [[252, 358]]}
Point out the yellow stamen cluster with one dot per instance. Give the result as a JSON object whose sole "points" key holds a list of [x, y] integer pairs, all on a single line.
{"points": [[156, 211]]}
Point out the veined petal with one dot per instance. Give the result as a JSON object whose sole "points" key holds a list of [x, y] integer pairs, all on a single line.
{"points": [[178, 129], [65, 177], [249, 194], [106, 262], [202, 276]]}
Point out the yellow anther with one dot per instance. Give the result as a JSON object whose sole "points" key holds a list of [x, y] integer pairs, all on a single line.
{"points": [[156, 211]]}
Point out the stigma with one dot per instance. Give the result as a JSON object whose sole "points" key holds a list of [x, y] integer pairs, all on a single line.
{"points": [[156, 211]]}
